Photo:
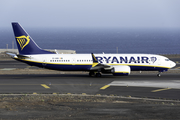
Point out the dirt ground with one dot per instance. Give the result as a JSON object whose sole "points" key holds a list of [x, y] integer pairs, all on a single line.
{"points": [[86, 107]]}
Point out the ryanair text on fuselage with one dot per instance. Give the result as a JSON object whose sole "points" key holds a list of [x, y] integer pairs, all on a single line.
{"points": [[125, 59]]}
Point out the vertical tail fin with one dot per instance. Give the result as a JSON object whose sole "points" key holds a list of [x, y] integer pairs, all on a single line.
{"points": [[25, 43]]}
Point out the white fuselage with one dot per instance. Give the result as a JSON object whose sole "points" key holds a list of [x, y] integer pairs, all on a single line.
{"points": [[73, 62]]}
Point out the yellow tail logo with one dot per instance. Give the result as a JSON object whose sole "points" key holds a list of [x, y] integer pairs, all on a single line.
{"points": [[23, 41]]}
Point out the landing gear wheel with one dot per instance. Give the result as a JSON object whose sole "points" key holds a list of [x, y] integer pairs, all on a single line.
{"points": [[159, 74], [91, 73], [98, 74]]}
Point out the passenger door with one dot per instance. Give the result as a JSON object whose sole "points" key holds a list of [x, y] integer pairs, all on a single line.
{"points": [[73, 61], [44, 62]]}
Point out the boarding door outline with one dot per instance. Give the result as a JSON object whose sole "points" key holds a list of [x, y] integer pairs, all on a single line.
{"points": [[44, 61], [73, 61]]}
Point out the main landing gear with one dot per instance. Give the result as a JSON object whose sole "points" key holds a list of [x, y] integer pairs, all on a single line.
{"points": [[98, 74], [91, 73]]}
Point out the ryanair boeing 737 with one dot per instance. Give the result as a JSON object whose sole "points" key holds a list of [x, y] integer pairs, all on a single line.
{"points": [[116, 64]]}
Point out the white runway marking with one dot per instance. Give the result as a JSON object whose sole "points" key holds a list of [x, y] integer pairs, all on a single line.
{"points": [[174, 84]]}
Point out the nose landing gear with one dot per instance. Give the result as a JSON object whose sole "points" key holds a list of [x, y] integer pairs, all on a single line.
{"points": [[159, 74]]}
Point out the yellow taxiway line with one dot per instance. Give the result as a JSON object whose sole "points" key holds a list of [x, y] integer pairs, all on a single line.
{"points": [[45, 86], [160, 90], [104, 87]]}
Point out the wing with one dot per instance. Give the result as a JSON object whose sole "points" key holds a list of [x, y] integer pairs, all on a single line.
{"points": [[97, 66], [115, 70]]}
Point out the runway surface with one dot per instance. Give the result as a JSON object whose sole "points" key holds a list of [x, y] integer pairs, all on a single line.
{"points": [[144, 86]]}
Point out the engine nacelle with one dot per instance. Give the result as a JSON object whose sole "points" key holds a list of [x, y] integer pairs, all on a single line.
{"points": [[122, 70]]}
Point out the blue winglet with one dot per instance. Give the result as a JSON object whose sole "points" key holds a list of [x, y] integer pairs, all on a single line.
{"points": [[94, 58], [95, 62]]}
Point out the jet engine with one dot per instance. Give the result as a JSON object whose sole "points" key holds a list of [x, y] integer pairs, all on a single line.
{"points": [[122, 70]]}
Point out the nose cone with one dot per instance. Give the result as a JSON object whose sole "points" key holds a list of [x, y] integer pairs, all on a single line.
{"points": [[172, 64]]}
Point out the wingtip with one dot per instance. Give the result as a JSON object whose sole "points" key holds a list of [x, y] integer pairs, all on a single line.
{"points": [[14, 23]]}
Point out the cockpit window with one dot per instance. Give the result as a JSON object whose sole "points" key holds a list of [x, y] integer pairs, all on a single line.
{"points": [[166, 59]]}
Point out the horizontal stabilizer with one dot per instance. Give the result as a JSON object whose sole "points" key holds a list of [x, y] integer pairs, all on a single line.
{"points": [[22, 56], [17, 56], [12, 55]]}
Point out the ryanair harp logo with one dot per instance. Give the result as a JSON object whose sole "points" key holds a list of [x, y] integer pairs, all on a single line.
{"points": [[23, 41]]}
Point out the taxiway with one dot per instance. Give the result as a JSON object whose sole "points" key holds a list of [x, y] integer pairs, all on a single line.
{"points": [[150, 86]]}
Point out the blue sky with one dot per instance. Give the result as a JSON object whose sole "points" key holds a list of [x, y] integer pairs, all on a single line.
{"points": [[91, 13]]}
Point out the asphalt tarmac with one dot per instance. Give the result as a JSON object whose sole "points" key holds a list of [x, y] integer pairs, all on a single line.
{"points": [[144, 86]]}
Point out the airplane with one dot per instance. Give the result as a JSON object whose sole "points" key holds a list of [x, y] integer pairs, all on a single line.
{"points": [[95, 64]]}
